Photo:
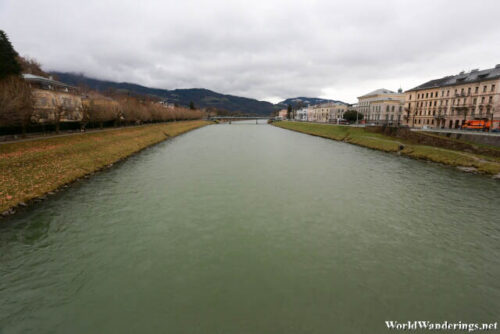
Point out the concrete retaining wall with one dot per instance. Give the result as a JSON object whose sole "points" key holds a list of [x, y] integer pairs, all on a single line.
{"points": [[472, 137], [434, 139]]}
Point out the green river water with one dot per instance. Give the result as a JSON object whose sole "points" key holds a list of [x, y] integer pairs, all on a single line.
{"points": [[247, 228]]}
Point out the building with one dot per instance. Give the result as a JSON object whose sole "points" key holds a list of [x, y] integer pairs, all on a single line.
{"points": [[54, 99], [301, 114], [447, 103], [282, 114], [331, 112], [167, 104], [382, 106]]}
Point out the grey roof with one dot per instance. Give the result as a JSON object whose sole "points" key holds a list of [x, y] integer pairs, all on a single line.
{"points": [[461, 78], [379, 91], [37, 78]]}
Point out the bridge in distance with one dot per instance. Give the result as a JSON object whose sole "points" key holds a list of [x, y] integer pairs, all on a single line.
{"points": [[229, 119], [238, 117]]}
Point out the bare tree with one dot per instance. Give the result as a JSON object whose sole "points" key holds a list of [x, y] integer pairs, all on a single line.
{"points": [[31, 66], [102, 110], [16, 103], [64, 107]]}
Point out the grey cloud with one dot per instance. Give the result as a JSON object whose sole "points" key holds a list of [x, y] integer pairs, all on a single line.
{"points": [[259, 49]]}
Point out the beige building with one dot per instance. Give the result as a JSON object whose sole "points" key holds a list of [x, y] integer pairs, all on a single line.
{"points": [[54, 99], [382, 106], [282, 114], [330, 112], [448, 102]]}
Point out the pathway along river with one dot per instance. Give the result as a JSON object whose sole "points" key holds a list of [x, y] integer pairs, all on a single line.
{"points": [[248, 228]]}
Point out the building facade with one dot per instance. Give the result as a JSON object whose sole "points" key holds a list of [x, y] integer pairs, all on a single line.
{"points": [[301, 114], [382, 106], [331, 112], [449, 102], [54, 99], [282, 114]]}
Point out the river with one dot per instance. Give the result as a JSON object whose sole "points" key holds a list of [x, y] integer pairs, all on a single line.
{"points": [[247, 228]]}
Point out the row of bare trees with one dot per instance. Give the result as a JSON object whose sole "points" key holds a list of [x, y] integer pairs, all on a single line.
{"points": [[17, 109], [132, 110]]}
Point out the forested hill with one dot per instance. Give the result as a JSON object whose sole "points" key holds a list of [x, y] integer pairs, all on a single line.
{"points": [[202, 98]]}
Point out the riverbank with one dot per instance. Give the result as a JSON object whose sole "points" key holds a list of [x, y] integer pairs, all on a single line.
{"points": [[33, 169], [481, 163]]}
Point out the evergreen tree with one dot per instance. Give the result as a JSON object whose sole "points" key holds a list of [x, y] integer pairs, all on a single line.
{"points": [[8, 62], [289, 111]]}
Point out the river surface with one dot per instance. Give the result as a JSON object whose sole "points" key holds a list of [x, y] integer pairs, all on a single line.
{"points": [[247, 228]]}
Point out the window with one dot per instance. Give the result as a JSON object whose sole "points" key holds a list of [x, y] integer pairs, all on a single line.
{"points": [[426, 95], [474, 101], [490, 99], [435, 103], [477, 90], [484, 89], [410, 97], [492, 88], [431, 94], [482, 100], [392, 108], [462, 91], [468, 91], [448, 93]]}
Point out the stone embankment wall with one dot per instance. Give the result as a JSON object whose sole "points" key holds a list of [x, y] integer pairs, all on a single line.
{"points": [[439, 140], [473, 137]]}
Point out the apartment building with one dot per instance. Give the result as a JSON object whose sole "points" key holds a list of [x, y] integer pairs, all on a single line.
{"points": [[330, 112], [447, 103], [301, 114], [382, 106]]}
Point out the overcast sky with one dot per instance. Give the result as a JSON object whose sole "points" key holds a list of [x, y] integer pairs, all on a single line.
{"points": [[268, 50]]}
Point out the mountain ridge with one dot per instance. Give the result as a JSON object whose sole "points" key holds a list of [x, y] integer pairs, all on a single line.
{"points": [[201, 97]]}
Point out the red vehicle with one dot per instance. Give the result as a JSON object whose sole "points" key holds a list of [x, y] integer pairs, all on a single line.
{"points": [[481, 125]]}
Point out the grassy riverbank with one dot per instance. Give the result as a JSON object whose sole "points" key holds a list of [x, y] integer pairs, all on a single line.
{"points": [[34, 168], [359, 136]]}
